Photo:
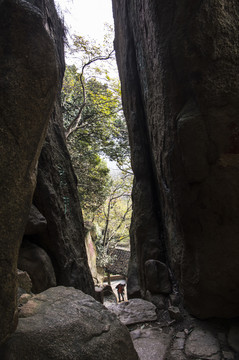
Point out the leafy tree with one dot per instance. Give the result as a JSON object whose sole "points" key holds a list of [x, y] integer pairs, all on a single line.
{"points": [[92, 97], [95, 127], [101, 122], [93, 177], [101, 131], [87, 53], [114, 218], [93, 121]]}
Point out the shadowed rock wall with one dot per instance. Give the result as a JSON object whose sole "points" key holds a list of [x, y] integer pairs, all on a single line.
{"points": [[178, 65], [56, 194], [32, 68], [28, 87]]}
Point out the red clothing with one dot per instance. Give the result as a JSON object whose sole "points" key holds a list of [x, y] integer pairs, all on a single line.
{"points": [[120, 288]]}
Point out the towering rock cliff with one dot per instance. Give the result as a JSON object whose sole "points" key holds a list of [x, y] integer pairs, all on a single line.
{"points": [[28, 87], [56, 195], [178, 64], [32, 67]]}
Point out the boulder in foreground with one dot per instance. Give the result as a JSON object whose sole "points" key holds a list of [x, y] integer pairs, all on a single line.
{"points": [[66, 324], [134, 311]]}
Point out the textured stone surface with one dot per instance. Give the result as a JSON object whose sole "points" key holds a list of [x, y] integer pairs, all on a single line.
{"points": [[134, 311], [175, 313], [174, 299], [108, 296], [179, 341], [35, 261], [176, 355], [23, 299], [24, 281], [56, 194], [28, 87], [91, 255], [189, 339], [151, 343], [202, 344], [36, 222], [228, 355], [157, 277], [157, 300], [233, 337], [178, 66], [57, 198], [66, 324]]}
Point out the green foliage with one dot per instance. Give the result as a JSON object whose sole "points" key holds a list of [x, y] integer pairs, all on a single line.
{"points": [[93, 176], [102, 124], [95, 129], [101, 131], [114, 218]]}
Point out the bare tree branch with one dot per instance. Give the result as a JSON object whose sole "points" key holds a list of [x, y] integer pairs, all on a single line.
{"points": [[74, 124]]}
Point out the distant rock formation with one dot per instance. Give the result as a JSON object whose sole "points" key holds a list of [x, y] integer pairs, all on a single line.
{"points": [[178, 66]]}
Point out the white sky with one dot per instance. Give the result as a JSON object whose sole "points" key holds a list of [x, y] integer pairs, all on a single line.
{"points": [[87, 17]]}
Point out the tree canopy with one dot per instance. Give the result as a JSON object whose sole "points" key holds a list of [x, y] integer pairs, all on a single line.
{"points": [[101, 132], [113, 218], [95, 130]]}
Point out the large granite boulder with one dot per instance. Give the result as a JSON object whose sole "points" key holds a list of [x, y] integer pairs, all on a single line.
{"points": [[36, 262], [56, 194], [146, 225], [152, 344], [157, 277], [64, 323], [202, 343], [36, 222], [134, 311], [56, 197], [28, 87], [178, 66]]}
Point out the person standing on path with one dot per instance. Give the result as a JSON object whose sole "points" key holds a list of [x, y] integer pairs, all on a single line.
{"points": [[120, 290]]}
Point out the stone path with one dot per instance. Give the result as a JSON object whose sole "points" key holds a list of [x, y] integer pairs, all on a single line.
{"points": [[151, 343], [114, 283], [174, 334], [134, 311]]}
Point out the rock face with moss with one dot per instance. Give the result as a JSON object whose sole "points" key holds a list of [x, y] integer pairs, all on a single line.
{"points": [[178, 66]]}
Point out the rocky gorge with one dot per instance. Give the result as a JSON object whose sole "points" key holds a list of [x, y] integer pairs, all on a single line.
{"points": [[178, 65]]}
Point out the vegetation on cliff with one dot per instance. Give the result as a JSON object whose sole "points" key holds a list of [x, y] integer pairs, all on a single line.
{"points": [[95, 129]]}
